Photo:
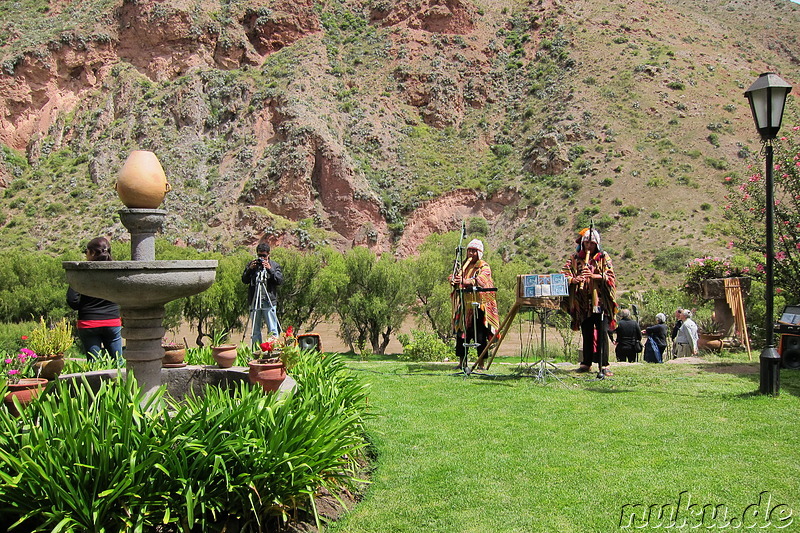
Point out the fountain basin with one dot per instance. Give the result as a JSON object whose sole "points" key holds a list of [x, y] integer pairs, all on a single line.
{"points": [[140, 284]]}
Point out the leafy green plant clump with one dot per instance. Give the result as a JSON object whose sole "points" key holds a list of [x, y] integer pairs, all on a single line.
{"points": [[117, 460], [426, 346]]}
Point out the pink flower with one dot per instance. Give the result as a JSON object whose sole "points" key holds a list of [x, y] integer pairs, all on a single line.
{"points": [[727, 178], [13, 372], [729, 245], [8, 361], [780, 256]]}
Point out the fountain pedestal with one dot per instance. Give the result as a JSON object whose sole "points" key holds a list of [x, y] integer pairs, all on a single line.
{"points": [[141, 288]]}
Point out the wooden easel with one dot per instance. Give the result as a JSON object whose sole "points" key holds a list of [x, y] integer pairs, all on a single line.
{"points": [[552, 302], [733, 295]]}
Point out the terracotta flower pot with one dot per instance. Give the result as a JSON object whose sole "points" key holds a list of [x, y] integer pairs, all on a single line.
{"points": [[709, 341], [49, 366], [142, 183], [174, 355], [268, 373], [224, 355], [25, 391]]}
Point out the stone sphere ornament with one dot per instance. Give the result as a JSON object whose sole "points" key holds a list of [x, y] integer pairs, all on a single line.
{"points": [[142, 183]]}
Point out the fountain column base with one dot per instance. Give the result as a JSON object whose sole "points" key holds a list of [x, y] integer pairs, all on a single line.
{"points": [[143, 331]]}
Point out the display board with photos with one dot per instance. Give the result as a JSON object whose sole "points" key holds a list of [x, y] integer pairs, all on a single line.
{"points": [[543, 285]]}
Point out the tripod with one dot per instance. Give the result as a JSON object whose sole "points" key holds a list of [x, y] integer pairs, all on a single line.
{"points": [[475, 303], [463, 361], [259, 311], [544, 367]]}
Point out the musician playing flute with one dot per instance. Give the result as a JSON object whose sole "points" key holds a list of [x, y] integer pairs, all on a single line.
{"points": [[474, 274], [592, 298]]}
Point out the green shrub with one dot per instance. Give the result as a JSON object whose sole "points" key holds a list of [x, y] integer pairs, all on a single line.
{"points": [[425, 347], [673, 260]]}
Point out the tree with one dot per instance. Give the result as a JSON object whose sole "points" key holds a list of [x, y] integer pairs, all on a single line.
{"points": [[32, 285], [223, 305], [429, 271], [307, 296], [374, 301]]}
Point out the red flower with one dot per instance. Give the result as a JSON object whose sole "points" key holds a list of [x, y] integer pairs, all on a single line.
{"points": [[266, 346], [24, 337], [289, 331]]}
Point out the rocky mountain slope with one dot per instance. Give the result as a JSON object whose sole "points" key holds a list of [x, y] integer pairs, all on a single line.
{"points": [[378, 122]]}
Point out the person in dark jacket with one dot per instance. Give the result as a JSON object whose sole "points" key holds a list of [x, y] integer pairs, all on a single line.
{"points": [[263, 275], [656, 343], [99, 324], [675, 329], [629, 337]]}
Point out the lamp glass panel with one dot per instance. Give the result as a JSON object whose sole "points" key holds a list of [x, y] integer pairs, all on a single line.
{"points": [[759, 101], [778, 100]]}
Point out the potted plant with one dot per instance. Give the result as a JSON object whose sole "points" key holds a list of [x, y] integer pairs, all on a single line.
{"points": [[224, 354], [278, 354], [709, 334], [174, 354], [50, 344], [17, 370]]}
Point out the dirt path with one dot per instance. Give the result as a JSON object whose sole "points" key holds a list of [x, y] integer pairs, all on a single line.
{"points": [[519, 338]]}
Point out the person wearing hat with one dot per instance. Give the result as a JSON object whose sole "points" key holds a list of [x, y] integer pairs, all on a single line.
{"points": [[473, 323], [656, 343], [592, 298]]}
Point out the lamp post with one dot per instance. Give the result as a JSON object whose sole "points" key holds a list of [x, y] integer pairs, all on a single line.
{"points": [[767, 98]]}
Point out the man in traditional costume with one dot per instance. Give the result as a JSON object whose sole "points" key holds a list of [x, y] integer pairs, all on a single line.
{"points": [[592, 298], [471, 322]]}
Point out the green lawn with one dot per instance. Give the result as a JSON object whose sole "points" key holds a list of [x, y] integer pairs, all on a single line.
{"points": [[510, 454]]}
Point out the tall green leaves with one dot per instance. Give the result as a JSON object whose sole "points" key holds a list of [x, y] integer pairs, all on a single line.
{"points": [[114, 461]]}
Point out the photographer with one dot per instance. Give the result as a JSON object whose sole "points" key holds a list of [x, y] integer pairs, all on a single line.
{"points": [[263, 275]]}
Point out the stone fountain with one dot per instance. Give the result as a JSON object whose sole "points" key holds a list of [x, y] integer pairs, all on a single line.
{"points": [[143, 285]]}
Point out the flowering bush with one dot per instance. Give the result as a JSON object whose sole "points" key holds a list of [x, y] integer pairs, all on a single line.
{"points": [[702, 268], [746, 199], [16, 367]]}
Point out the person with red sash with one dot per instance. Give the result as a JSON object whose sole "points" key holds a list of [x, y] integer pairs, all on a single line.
{"points": [[592, 298], [99, 324]]}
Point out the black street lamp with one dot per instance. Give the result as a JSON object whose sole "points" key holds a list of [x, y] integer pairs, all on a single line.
{"points": [[767, 98]]}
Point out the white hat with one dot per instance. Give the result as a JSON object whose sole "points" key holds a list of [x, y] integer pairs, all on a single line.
{"points": [[591, 235], [661, 317], [477, 245]]}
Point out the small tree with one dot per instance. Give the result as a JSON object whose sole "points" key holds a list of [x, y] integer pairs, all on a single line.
{"points": [[374, 301]]}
